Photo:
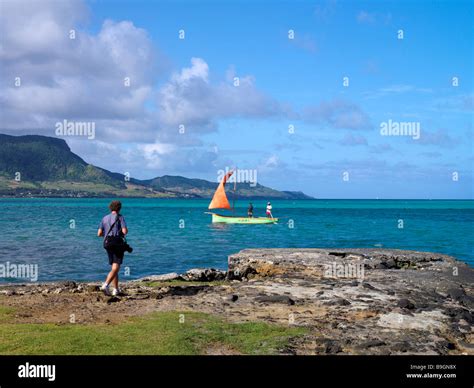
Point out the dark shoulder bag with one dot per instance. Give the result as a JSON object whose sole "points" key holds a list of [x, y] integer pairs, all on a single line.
{"points": [[114, 242]]}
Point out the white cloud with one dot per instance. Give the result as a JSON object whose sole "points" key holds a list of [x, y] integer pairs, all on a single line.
{"points": [[198, 69], [155, 154], [337, 114], [392, 90], [83, 79], [189, 99], [305, 42], [41, 28], [366, 17], [324, 10], [270, 164], [353, 140], [63, 78], [440, 138], [457, 103]]}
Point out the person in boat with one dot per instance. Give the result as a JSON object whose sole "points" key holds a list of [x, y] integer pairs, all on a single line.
{"points": [[250, 210], [269, 210], [113, 226]]}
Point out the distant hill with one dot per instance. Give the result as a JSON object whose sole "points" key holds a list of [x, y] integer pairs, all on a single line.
{"points": [[40, 158], [205, 189], [47, 167]]}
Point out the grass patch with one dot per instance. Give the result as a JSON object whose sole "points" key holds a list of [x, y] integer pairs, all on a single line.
{"points": [[6, 314], [159, 333]]}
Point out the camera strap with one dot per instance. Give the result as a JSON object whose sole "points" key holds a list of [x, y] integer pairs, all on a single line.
{"points": [[117, 219]]}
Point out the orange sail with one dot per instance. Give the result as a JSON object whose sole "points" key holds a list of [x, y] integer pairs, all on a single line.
{"points": [[220, 201]]}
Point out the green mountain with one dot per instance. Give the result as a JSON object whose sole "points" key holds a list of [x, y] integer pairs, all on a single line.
{"points": [[35, 165], [39, 158]]}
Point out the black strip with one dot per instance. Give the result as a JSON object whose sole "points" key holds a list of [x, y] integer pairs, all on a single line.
{"points": [[315, 371]]}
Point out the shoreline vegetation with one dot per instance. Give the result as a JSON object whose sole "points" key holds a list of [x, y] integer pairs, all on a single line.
{"points": [[58, 193], [269, 301]]}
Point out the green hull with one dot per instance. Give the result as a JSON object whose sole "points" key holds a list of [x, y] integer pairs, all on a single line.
{"points": [[243, 220]]}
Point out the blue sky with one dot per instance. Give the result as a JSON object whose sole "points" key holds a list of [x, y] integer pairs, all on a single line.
{"points": [[283, 82]]}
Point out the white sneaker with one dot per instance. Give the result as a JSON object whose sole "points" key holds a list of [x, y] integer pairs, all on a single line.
{"points": [[116, 292], [105, 289]]}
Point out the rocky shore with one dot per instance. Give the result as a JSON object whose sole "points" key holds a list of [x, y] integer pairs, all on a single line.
{"points": [[352, 301]]}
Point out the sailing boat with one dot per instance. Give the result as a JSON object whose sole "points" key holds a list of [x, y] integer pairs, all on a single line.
{"points": [[220, 201]]}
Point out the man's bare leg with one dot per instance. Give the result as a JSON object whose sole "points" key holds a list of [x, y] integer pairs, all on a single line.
{"points": [[113, 275], [116, 278]]}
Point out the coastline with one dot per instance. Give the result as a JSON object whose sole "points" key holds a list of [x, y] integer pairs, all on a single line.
{"points": [[402, 302]]}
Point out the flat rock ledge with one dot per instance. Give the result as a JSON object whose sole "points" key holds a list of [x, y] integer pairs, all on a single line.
{"points": [[351, 301]]}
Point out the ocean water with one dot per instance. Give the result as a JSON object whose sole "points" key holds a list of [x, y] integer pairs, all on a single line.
{"points": [[171, 235]]}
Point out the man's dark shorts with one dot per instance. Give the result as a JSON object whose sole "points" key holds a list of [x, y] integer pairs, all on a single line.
{"points": [[115, 257]]}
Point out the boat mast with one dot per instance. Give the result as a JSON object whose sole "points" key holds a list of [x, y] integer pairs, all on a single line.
{"points": [[233, 196]]}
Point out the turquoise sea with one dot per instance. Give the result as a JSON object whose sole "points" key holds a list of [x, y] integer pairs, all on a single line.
{"points": [[171, 235]]}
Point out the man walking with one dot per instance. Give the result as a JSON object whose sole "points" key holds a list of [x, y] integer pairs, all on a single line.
{"points": [[113, 226]]}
